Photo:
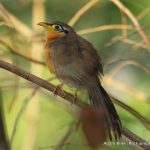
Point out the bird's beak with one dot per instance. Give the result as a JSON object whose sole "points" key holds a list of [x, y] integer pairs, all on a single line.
{"points": [[44, 24]]}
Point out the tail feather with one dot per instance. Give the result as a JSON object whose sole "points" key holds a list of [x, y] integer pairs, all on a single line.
{"points": [[99, 98]]}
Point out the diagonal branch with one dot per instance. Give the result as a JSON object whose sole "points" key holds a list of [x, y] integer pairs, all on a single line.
{"points": [[42, 83], [12, 50], [80, 12], [15, 22], [137, 139], [143, 120], [69, 97]]}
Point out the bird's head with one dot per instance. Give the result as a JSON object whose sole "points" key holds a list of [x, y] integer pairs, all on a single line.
{"points": [[56, 29]]}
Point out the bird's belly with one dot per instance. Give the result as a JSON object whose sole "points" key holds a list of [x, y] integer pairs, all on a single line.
{"points": [[70, 76], [66, 70]]}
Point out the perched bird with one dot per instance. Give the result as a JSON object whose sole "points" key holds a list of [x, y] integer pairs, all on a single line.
{"points": [[76, 62]]}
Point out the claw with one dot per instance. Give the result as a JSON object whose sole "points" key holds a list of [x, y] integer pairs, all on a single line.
{"points": [[59, 86], [74, 98]]}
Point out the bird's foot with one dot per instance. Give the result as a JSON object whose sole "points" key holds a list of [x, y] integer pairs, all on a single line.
{"points": [[75, 96], [59, 86]]}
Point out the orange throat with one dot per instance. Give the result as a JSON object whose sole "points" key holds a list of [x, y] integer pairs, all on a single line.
{"points": [[49, 61], [51, 35]]}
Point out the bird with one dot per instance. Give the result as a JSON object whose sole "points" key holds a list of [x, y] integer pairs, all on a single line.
{"points": [[76, 63]]}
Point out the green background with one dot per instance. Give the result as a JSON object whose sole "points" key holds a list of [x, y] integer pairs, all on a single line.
{"points": [[55, 116]]}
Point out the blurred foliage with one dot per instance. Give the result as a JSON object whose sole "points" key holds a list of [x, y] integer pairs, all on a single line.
{"points": [[51, 117]]}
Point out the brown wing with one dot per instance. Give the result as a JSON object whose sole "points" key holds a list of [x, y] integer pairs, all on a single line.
{"points": [[89, 59]]}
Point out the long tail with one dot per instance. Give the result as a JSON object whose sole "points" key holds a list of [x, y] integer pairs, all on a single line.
{"points": [[99, 98]]}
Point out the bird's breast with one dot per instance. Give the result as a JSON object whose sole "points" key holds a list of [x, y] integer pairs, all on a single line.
{"points": [[49, 59]]}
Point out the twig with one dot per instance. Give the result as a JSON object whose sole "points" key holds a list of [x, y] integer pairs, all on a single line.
{"points": [[143, 120], [124, 23], [42, 83], [50, 87], [126, 63], [103, 28], [80, 12], [134, 20], [15, 90], [124, 87], [19, 54], [23, 85], [143, 13], [5, 24], [134, 43], [72, 129], [15, 22], [130, 135], [122, 38]]}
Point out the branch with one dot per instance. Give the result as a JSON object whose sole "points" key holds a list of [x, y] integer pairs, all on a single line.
{"points": [[124, 64], [136, 114], [82, 11], [40, 82], [134, 21], [104, 28], [139, 95], [67, 96], [20, 54], [130, 135], [15, 22]]}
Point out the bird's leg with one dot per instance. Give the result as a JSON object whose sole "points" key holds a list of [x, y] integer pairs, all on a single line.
{"points": [[59, 86], [74, 97]]}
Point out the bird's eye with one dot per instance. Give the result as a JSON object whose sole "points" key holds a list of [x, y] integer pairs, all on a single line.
{"points": [[57, 27]]}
